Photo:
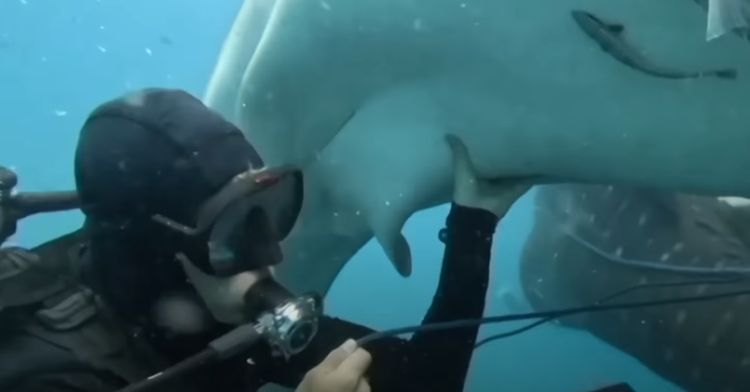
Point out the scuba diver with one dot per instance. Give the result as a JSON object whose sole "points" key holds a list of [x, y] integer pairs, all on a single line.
{"points": [[182, 230]]}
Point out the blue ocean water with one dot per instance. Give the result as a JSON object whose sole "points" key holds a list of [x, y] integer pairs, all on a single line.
{"points": [[60, 58]]}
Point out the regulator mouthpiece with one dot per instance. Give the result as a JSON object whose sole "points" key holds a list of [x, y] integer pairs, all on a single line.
{"points": [[287, 322]]}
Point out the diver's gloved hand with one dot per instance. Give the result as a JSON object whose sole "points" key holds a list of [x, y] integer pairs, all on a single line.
{"points": [[494, 195], [343, 370]]}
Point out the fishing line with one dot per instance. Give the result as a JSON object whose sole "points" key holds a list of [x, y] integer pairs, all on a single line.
{"points": [[610, 297], [464, 323], [644, 264]]}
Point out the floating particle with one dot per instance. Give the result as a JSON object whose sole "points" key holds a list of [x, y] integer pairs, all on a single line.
{"points": [[61, 113], [325, 5], [148, 51], [102, 49], [417, 24], [642, 219]]}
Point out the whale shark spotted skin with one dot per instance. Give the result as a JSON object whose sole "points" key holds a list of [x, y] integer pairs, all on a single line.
{"points": [[360, 94], [700, 347]]}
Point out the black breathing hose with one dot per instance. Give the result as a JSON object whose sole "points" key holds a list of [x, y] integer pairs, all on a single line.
{"points": [[234, 342]]}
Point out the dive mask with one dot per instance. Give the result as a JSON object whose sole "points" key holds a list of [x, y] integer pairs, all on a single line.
{"points": [[244, 222]]}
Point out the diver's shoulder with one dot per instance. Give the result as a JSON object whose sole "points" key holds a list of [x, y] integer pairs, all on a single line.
{"points": [[31, 276]]}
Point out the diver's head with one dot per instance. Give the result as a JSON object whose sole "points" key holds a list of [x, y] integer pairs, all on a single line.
{"points": [[176, 199]]}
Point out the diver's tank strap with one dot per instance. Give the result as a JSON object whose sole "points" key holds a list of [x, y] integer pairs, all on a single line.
{"points": [[80, 323]]}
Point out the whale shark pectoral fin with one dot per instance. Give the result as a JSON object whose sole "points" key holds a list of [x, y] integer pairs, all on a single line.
{"points": [[398, 251], [387, 229]]}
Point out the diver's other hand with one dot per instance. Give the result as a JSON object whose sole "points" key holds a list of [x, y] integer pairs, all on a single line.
{"points": [[494, 195], [343, 370]]}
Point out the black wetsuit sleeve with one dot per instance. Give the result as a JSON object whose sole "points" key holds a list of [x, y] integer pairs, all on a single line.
{"points": [[429, 361]]}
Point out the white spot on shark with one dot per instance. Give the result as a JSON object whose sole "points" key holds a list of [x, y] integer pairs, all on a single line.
{"points": [[642, 219], [664, 256], [680, 317], [727, 317]]}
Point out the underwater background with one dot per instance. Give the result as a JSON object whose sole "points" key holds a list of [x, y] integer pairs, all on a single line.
{"points": [[61, 58]]}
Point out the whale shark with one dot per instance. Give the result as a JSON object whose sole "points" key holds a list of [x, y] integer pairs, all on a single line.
{"points": [[360, 95], [616, 237]]}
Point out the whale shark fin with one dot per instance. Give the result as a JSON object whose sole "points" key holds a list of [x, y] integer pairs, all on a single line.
{"points": [[387, 231]]}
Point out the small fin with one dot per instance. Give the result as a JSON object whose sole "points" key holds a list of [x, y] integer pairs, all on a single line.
{"points": [[397, 249], [386, 222], [615, 28]]}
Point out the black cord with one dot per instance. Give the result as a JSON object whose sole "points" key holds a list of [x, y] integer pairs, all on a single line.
{"points": [[620, 293], [464, 323]]}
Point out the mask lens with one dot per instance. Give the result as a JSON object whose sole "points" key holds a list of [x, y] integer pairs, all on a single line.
{"points": [[246, 233]]}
